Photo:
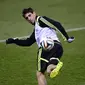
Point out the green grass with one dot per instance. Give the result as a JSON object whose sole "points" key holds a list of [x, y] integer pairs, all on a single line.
{"points": [[18, 64], [71, 13]]}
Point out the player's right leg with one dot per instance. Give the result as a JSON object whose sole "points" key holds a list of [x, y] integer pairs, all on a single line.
{"points": [[41, 67], [41, 78]]}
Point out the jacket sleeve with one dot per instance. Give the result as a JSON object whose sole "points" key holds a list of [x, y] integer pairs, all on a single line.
{"points": [[45, 21], [27, 42]]}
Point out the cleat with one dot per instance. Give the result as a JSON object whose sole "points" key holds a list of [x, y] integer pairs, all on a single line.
{"points": [[55, 72]]}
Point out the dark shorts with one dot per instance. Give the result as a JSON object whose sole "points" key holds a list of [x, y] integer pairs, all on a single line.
{"points": [[44, 57]]}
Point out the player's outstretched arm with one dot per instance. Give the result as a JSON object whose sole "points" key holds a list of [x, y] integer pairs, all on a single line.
{"points": [[27, 42]]}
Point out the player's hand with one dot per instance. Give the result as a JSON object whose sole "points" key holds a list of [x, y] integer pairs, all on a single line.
{"points": [[10, 41], [71, 39]]}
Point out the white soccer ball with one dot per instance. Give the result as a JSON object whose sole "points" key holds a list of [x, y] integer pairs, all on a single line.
{"points": [[47, 44]]}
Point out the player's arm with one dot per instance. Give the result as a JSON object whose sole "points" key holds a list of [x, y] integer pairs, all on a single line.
{"points": [[45, 21], [27, 42]]}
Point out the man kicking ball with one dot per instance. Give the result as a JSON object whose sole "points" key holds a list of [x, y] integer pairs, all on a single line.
{"points": [[50, 48]]}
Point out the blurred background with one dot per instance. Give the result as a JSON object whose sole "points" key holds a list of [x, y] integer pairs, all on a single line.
{"points": [[18, 64]]}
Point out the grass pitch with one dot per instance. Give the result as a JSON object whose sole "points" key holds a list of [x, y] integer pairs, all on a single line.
{"points": [[18, 64]]}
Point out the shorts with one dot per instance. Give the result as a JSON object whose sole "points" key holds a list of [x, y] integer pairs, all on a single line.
{"points": [[44, 58]]}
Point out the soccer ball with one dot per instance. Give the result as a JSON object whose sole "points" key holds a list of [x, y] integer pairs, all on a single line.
{"points": [[47, 44]]}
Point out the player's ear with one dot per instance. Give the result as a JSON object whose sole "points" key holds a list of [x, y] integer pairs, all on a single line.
{"points": [[34, 13]]}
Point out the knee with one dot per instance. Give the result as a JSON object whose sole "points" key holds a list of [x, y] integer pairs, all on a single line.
{"points": [[50, 68]]}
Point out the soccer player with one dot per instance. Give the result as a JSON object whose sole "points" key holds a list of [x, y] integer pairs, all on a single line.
{"points": [[50, 48]]}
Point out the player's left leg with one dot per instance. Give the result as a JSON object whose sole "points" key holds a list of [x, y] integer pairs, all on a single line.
{"points": [[56, 70], [54, 63], [54, 67]]}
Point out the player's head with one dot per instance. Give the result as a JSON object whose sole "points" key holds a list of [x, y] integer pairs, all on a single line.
{"points": [[29, 14]]}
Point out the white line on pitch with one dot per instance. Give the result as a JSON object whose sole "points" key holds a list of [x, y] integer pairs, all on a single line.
{"points": [[68, 30]]}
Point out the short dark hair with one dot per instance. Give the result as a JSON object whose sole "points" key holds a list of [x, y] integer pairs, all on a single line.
{"points": [[27, 10]]}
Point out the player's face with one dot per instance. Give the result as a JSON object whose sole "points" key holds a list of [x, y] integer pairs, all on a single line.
{"points": [[30, 17]]}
